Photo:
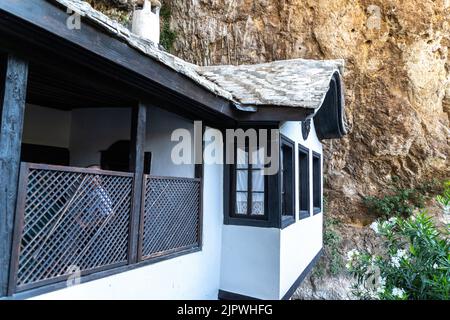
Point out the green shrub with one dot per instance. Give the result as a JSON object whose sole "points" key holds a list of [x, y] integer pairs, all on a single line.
{"points": [[444, 198], [168, 36], [401, 202], [414, 262], [331, 261]]}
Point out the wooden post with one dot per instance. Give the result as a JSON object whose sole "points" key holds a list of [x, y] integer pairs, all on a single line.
{"points": [[138, 129], [13, 89]]}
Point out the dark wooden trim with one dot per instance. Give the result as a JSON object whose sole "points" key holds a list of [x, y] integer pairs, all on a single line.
{"points": [[93, 48], [271, 204], [12, 108], [227, 295], [330, 118], [273, 114], [49, 167], [53, 280], [170, 252], [199, 175], [173, 178], [160, 254], [302, 276], [98, 275], [286, 221], [109, 55], [140, 246], [285, 141], [138, 136], [303, 214], [317, 185], [18, 226], [304, 188]]}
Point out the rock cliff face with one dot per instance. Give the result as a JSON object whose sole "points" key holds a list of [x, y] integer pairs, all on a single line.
{"points": [[397, 82], [397, 77]]}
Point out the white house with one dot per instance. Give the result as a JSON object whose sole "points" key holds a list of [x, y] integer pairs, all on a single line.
{"points": [[94, 205]]}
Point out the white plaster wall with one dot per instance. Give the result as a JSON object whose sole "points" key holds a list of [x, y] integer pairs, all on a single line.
{"points": [[265, 262], [250, 261], [46, 126], [160, 125], [192, 276], [301, 241], [94, 130]]}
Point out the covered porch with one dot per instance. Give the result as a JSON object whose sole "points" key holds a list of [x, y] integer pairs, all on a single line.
{"points": [[97, 191]]}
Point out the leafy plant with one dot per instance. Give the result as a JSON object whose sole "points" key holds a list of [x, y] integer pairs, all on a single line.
{"points": [[401, 202], [444, 198], [414, 263], [168, 36], [332, 261]]}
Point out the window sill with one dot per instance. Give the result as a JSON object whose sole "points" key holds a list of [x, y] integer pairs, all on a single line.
{"points": [[286, 221], [261, 223], [317, 210], [303, 214]]}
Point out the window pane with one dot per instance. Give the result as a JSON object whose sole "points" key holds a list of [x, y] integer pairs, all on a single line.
{"points": [[241, 202], [256, 161], [241, 180], [241, 158], [317, 180], [287, 180], [258, 180], [257, 204]]}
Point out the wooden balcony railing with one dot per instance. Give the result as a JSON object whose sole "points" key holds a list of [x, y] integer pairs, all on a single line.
{"points": [[170, 219], [78, 220]]}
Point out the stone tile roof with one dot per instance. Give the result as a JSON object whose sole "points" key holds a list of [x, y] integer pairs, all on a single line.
{"points": [[291, 83]]}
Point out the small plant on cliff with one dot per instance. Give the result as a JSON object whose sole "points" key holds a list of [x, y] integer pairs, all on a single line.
{"points": [[414, 263], [167, 35], [444, 198], [400, 202], [331, 262]]}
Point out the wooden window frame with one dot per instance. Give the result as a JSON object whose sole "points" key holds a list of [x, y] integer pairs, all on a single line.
{"points": [[317, 182], [249, 190], [304, 191], [287, 219], [271, 217]]}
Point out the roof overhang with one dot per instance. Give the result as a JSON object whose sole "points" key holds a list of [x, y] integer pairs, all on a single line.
{"points": [[329, 120], [37, 29]]}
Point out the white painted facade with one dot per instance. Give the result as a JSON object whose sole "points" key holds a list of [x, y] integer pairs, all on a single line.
{"points": [[273, 257], [252, 261]]}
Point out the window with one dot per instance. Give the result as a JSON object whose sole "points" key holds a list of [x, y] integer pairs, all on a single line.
{"points": [[250, 186], [317, 183], [303, 178], [287, 180], [251, 198]]}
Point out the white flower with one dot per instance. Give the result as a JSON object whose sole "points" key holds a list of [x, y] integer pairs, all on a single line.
{"points": [[382, 281], [352, 254], [393, 220], [381, 285], [348, 265], [395, 261], [396, 292], [435, 266], [401, 253], [375, 227]]}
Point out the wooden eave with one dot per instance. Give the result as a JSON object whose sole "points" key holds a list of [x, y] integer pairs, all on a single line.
{"points": [[100, 64]]}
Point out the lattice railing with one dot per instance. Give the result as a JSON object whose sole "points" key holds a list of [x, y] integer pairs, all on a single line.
{"points": [[171, 215], [70, 219]]}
